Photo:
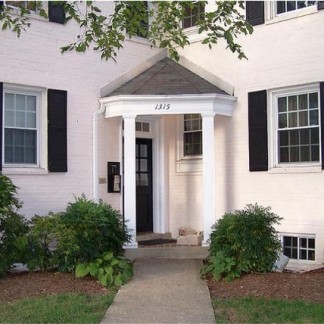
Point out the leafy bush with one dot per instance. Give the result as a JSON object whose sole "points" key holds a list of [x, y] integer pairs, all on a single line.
{"points": [[86, 230], [40, 242], [243, 241], [109, 270], [12, 225]]}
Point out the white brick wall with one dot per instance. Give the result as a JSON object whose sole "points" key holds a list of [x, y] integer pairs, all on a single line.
{"points": [[35, 60]]}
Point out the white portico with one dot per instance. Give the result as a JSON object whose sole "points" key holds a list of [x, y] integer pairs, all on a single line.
{"points": [[153, 105]]}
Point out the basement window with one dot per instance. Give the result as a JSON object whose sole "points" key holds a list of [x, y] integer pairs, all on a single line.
{"points": [[299, 247]]}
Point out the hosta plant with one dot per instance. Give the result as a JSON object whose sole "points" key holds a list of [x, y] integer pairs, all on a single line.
{"points": [[110, 271]]}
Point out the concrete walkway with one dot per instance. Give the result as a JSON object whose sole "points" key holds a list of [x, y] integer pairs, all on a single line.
{"points": [[163, 291]]}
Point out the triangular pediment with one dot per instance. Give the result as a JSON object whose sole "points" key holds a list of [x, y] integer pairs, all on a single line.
{"points": [[166, 77]]}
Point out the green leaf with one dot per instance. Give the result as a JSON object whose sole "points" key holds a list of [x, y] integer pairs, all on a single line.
{"points": [[82, 270], [109, 269], [94, 269], [117, 281], [108, 256]]}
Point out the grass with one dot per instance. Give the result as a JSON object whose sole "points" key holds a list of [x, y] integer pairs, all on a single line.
{"points": [[256, 310], [63, 308]]}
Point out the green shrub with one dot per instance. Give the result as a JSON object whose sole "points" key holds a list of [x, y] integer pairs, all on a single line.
{"points": [[86, 230], [109, 270], [40, 242], [243, 241], [12, 225]]}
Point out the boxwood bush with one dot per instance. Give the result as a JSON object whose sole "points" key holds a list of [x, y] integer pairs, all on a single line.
{"points": [[86, 230], [243, 241]]}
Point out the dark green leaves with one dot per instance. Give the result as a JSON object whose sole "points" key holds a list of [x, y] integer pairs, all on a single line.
{"points": [[159, 21]]}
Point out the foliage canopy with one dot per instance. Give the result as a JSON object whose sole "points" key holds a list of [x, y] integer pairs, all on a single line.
{"points": [[160, 22]]}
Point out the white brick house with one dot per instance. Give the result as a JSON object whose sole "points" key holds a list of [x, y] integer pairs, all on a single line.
{"points": [[191, 140]]}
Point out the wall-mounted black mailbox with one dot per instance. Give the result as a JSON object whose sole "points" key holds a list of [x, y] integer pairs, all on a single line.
{"points": [[113, 176]]}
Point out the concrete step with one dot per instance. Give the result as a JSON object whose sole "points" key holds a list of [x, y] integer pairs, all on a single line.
{"points": [[152, 236], [178, 252]]}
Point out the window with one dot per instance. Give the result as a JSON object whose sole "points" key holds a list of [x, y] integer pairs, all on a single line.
{"points": [[29, 5], [299, 248], [192, 135], [192, 14], [298, 132], [288, 6], [20, 128]]}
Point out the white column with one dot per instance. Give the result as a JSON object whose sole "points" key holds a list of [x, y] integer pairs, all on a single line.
{"points": [[130, 177], [209, 185]]}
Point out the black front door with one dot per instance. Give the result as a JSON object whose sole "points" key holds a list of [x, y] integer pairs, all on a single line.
{"points": [[144, 188]]}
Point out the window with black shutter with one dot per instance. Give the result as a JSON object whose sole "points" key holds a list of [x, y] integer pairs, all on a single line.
{"points": [[322, 119], [258, 131], [57, 130]]}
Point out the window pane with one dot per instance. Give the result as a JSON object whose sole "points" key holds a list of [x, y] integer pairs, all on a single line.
{"points": [[303, 254], [301, 4], [311, 243], [284, 155], [18, 138], [303, 242], [304, 136], [143, 150], [315, 153], [9, 101], [8, 154], [294, 154], [287, 241], [282, 120], [282, 104], [30, 138], [303, 118], [313, 100], [144, 179], [31, 103], [303, 102], [9, 118], [20, 102], [18, 154], [292, 103], [283, 138], [30, 156], [305, 154], [9, 137], [20, 119], [281, 7], [292, 119], [313, 116], [311, 255], [294, 137], [143, 165], [314, 135], [291, 5], [31, 120]]}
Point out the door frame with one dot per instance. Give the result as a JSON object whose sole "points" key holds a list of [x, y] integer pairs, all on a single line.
{"points": [[160, 170]]}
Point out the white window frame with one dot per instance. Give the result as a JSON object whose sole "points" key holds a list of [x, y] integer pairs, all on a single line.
{"points": [[274, 165], [41, 146], [300, 236], [33, 14], [272, 16], [186, 163]]}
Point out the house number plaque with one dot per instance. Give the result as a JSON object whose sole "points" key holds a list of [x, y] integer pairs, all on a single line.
{"points": [[162, 106]]}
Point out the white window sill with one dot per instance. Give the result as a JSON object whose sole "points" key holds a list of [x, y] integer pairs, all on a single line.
{"points": [[292, 15], [192, 34], [23, 171], [296, 169], [189, 165]]}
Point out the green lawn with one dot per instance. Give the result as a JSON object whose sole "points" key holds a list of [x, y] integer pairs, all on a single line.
{"points": [[257, 310], [64, 308]]}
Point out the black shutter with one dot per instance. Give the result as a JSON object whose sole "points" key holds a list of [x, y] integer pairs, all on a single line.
{"points": [[1, 123], [258, 131], [322, 120], [56, 12], [1, 5], [57, 130], [255, 12], [320, 5]]}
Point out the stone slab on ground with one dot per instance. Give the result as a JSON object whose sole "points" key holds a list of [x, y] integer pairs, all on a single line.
{"points": [[163, 291]]}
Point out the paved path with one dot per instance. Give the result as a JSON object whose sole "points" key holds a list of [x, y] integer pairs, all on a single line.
{"points": [[163, 291]]}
